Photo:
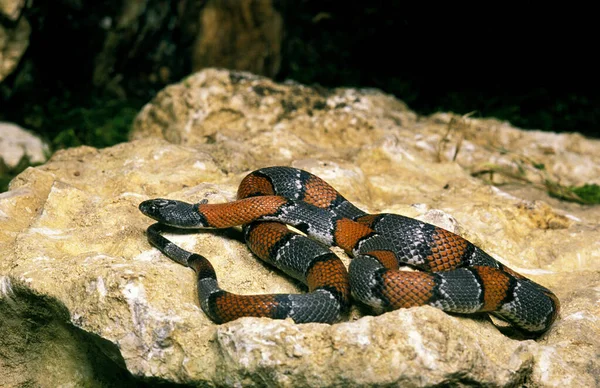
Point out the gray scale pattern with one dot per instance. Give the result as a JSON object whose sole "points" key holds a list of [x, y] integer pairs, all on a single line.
{"points": [[296, 256], [289, 183], [286, 181], [319, 221], [460, 291], [347, 210], [206, 287], [374, 242], [317, 306], [363, 279], [481, 258], [408, 237], [528, 305]]}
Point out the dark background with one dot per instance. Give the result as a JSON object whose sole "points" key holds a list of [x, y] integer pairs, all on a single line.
{"points": [[535, 68]]}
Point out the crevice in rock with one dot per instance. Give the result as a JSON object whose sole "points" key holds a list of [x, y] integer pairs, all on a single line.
{"points": [[40, 347]]}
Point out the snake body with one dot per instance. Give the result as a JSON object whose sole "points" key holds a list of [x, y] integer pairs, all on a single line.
{"points": [[454, 275]]}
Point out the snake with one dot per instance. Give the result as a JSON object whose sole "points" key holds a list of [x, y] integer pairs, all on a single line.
{"points": [[397, 261]]}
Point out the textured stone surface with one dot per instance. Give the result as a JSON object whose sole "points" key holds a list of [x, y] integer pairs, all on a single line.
{"points": [[17, 144], [14, 40], [41, 348], [70, 231]]}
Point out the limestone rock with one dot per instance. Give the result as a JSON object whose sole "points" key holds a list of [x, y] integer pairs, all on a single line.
{"points": [[17, 144], [14, 40], [70, 232], [237, 117]]}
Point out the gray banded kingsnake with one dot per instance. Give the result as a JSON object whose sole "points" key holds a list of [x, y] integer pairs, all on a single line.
{"points": [[452, 273]]}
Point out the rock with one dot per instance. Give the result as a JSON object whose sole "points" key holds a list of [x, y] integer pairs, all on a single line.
{"points": [[16, 145], [40, 347], [164, 42], [71, 234], [11, 9], [14, 40], [243, 35], [238, 116], [393, 349]]}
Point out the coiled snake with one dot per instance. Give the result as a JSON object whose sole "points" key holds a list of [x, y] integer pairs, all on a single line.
{"points": [[454, 275]]}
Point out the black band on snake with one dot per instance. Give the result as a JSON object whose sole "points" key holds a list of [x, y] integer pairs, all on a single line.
{"points": [[454, 275]]}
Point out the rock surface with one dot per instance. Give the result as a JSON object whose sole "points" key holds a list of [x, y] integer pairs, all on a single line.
{"points": [[71, 234]]}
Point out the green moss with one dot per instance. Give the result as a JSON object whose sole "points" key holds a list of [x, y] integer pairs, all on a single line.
{"points": [[97, 123], [4, 181], [588, 194]]}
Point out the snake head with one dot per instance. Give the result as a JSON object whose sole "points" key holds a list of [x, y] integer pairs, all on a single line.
{"points": [[173, 213]]}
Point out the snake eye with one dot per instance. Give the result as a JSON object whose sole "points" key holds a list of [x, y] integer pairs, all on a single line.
{"points": [[161, 203]]}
